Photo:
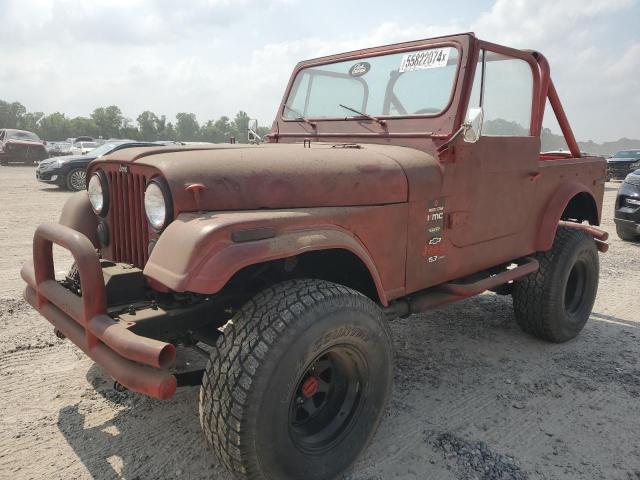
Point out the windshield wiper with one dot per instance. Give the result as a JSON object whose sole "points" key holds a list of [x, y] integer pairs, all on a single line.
{"points": [[300, 116], [366, 115]]}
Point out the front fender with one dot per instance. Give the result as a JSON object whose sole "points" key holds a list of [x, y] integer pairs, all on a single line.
{"points": [[78, 215], [197, 253]]}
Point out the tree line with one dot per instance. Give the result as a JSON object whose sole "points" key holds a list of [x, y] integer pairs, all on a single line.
{"points": [[110, 122]]}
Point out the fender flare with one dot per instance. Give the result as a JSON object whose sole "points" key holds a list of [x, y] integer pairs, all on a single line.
{"points": [[553, 213], [219, 257], [78, 215]]}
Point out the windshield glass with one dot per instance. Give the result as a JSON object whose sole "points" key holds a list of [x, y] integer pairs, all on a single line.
{"points": [[102, 149], [627, 154], [409, 83], [23, 136]]}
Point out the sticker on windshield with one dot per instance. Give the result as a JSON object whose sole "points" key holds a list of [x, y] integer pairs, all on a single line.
{"points": [[433, 58], [359, 69]]}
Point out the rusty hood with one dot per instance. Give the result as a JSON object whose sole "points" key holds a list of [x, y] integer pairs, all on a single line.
{"points": [[243, 177]]}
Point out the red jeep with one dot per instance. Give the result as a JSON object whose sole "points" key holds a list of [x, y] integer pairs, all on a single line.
{"points": [[394, 180]]}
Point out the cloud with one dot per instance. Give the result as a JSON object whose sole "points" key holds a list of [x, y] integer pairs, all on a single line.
{"points": [[214, 57], [118, 22], [521, 23], [593, 82]]}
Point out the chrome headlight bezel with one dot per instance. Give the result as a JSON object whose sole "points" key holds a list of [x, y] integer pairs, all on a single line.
{"points": [[158, 205], [99, 179]]}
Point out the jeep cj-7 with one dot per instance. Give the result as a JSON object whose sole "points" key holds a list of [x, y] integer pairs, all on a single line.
{"points": [[394, 180]]}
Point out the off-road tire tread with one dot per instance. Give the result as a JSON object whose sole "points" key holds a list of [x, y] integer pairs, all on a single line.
{"points": [[240, 352], [529, 293]]}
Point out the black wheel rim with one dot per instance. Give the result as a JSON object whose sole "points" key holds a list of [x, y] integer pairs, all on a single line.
{"points": [[575, 291], [328, 399]]}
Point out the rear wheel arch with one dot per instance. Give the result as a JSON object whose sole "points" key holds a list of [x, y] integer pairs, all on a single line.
{"points": [[581, 207], [571, 202]]}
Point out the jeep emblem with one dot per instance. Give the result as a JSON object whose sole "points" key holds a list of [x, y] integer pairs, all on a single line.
{"points": [[123, 169]]}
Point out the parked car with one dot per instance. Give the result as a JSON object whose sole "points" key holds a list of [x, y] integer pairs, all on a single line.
{"points": [[82, 148], [627, 210], [70, 171], [375, 196], [20, 146], [58, 149], [621, 163]]}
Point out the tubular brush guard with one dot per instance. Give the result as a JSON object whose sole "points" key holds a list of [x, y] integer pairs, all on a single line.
{"points": [[139, 363]]}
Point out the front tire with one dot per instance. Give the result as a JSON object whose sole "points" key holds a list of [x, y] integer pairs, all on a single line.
{"points": [[297, 384], [76, 179], [555, 302], [626, 234]]}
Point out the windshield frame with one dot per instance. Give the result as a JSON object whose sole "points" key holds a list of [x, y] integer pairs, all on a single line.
{"points": [[358, 56]]}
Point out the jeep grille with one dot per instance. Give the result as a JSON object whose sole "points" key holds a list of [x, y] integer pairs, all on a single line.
{"points": [[128, 225]]}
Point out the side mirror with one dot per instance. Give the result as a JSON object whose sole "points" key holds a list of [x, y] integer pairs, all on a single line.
{"points": [[252, 131], [472, 126]]}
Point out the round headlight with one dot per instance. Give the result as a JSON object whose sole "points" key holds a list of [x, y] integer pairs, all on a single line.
{"points": [[157, 204], [97, 190]]}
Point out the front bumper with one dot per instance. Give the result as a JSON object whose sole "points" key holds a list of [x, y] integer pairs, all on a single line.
{"points": [[139, 363], [619, 170], [628, 225], [626, 213], [52, 175]]}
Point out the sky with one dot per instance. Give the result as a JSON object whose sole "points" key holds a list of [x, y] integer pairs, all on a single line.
{"points": [[215, 57]]}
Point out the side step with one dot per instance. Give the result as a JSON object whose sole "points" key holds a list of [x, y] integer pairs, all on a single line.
{"points": [[452, 292]]}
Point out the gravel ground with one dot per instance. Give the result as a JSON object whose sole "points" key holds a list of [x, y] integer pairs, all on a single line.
{"points": [[474, 398]]}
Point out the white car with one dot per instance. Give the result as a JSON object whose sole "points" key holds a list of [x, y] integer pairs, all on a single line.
{"points": [[82, 148]]}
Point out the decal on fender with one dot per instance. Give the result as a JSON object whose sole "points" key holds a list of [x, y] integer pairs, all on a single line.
{"points": [[434, 248]]}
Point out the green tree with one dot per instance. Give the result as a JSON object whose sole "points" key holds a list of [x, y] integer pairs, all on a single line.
{"points": [[240, 127], [187, 128], [168, 132], [30, 121], [129, 130], [54, 126], [109, 121], [218, 131], [84, 126], [10, 114], [149, 125]]}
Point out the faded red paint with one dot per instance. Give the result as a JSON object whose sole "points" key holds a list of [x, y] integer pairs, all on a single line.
{"points": [[418, 207]]}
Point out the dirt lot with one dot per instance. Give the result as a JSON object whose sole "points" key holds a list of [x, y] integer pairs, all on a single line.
{"points": [[473, 397]]}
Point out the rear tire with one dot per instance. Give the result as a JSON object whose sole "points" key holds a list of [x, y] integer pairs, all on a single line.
{"points": [[298, 382], [555, 302], [76, 179], [626, 234]]}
